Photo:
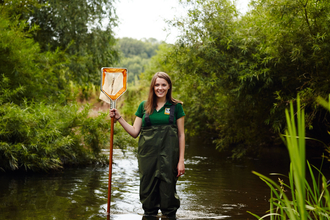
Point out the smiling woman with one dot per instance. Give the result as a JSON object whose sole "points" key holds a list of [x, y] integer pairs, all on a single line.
{"points": [[160, 123]]}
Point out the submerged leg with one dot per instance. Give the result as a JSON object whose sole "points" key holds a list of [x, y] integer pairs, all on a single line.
{"points": [[149, 195], [169, 200]]}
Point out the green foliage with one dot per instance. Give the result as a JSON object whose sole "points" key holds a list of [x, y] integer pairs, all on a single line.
{"points": [[36, 75], [122, 139], [48, 137], [145, 48], [308, 201], [77, 27], [44, 137], [129, 103], [324, 103], [237, 73], [135, 66], [19, 8], [40, 128], [294, 47], [136, 55]]}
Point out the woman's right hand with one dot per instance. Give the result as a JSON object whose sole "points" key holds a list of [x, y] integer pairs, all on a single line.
{"points": [[132, 130], [114, 113]]}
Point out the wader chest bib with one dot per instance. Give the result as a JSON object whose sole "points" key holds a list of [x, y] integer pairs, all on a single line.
{"points": [[158, 157]]}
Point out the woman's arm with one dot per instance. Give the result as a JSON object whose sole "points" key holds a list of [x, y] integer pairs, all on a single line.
{"points": [[134, 130], [182, 145]]}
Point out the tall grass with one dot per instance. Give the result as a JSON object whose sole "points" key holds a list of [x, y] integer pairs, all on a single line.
{"points": [[305, 200]]}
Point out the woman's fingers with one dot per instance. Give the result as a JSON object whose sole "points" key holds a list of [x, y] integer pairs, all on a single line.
{"points": [[181, 169], [112, 112], [180, 172]]}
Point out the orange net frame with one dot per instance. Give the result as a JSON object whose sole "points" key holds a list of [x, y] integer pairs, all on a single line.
{"points": [[113, 83]]}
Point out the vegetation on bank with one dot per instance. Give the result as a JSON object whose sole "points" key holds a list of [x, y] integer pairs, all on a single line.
{"points": [[46, 137], [50, 56], [308, 200], [237, 73]]}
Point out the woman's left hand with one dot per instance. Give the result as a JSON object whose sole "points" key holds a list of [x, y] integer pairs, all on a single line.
{"points": [[181, 169]]}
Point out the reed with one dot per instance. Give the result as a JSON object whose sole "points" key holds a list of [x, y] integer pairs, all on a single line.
{"points": [[306, 200]]}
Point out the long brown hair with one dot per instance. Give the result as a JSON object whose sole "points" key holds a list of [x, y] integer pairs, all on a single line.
{"points": [[151, 103]]}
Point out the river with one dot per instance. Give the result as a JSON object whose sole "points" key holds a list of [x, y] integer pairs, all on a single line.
{"points": [[214, 187]]}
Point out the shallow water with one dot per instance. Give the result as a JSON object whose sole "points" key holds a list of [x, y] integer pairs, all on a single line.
{"points": [[212, 188]]}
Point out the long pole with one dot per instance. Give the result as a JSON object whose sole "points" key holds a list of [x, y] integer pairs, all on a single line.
{"points": [[110, 159]]}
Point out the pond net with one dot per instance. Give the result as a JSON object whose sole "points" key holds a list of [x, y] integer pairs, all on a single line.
{"points": [[113, 83]]}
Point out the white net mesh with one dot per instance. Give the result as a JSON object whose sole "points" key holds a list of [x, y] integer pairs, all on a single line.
{"points": [[113, 82]]}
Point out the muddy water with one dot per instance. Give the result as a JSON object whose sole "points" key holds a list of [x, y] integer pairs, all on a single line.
{"points": [[214, 187]]}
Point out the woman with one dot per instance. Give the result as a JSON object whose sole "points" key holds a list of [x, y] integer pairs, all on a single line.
{"points": [[161, 148]]}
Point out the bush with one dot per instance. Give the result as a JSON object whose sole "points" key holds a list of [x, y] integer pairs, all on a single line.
{"points": [[47, 137]]}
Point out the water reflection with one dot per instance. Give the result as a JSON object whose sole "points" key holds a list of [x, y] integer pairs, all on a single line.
{"points": [[218, 189], [212, 188]]}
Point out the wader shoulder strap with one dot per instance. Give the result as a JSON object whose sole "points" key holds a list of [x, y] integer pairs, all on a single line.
{"points": [[147, 120], [170, 120], [172, 111]]}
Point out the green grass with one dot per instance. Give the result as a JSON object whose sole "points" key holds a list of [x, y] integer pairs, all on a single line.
{"points": [[306, 200]]}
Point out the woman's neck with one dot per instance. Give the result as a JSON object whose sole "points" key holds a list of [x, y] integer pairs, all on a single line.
{"points": [[161, 100], [160, 103]]}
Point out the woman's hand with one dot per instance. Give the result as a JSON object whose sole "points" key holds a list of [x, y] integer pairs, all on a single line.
{"points": [[114, 113], [134, 130], [181, 169]]}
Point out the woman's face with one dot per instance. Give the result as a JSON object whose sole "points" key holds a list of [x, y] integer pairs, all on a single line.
{"points": [[161, 87]]}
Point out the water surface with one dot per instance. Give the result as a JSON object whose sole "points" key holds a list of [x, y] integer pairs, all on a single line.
{"points": [[214, 187]]}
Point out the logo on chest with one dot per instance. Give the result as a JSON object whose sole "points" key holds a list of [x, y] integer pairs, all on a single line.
{"points": [[167, 111]]}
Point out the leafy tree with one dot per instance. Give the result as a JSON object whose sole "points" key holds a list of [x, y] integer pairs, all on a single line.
{"points": [[237, 73], [294, 50], [25, 68], [78, 28]]}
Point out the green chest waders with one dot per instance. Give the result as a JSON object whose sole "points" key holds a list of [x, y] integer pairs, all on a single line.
{"points": [[158, 157]]}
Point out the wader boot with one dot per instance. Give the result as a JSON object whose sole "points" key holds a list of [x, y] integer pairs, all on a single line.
{"points": [[158, 157]]}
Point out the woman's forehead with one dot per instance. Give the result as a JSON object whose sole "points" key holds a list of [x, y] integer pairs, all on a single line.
{"points": [[161, 80]]}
